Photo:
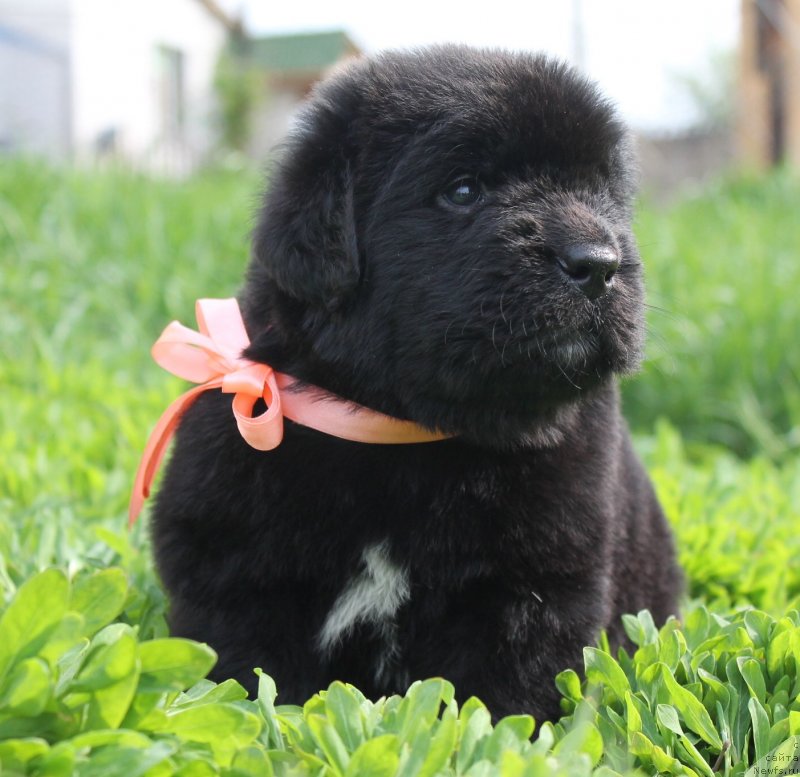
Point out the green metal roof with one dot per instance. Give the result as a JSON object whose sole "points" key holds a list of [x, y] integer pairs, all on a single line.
{"points": [[304, 52]]}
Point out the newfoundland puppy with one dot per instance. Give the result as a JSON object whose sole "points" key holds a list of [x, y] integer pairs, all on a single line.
{"points": [[447, 240]]}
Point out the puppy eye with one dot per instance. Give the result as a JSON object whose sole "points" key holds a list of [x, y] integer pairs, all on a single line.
{"points": [[463, 192]]}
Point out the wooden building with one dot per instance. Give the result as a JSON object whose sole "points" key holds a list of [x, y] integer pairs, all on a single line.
{"points": [[768, 121]]}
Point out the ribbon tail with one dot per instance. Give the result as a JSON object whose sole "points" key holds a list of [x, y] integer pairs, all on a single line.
{"points": [[157, 445]]}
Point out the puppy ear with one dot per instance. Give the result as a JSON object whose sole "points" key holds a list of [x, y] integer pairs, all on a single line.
{"points": [[305, 243]]}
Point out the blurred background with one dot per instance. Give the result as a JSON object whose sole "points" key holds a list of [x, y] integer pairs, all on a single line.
{"points": [[135, 137], [169, 86]]}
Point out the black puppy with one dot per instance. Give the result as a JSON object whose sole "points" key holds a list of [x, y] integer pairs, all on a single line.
{"points": [[447, 240]]}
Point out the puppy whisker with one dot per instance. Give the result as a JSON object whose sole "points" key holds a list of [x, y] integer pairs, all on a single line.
{"points": [[663, 311], [503, 354], [569, 380]]}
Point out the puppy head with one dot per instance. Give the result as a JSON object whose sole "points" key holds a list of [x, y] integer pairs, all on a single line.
{"points": [[447, 239]]}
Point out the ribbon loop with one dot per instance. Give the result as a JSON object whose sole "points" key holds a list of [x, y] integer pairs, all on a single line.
{"points": [[249, 380], [187, 354], [221, 320], [212, 358]]}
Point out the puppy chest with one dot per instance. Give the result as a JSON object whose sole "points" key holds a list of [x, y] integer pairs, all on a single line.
{"points": [[363, 618], [373, 596], [387, 623]]}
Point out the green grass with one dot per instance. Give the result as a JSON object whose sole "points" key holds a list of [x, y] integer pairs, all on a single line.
{"points": [[736, 523], [94, 264], [723, 364]]}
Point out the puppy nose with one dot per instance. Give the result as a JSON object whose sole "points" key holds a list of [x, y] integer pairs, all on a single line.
{"points": [[590, 266]]}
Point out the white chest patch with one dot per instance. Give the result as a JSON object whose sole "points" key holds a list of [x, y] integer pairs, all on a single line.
{"points": [[374, 596]]}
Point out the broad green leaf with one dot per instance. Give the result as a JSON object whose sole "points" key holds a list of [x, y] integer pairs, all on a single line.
{"points": [[441, 746], [59, 761], [631, 625], [697, 626], [469, 707], [174, 664], [692, 711], [667, 715], [449, 695], [112, 656], [225, 727], [780, 693], [545, 739], [27, 689], [653, 754], [505, 737], [634, 719], [671, 650], [267, 693], [720, 691], [70, 663], [776, 652], [207, 692], [639, 714], [751, 672], [298, 736], [329, 742], [99, 598], [761, 727], [34, 613], [569, 685], [146, 712], [67, 635], [378, 757], [738, 714], [344, 711], [735, 641], [584, 738], [414, 753], [758, 625], [779, 732], [692, 663], [477, 728], [421, 706], [693, 756], [602, 668], [645, 658], [16, 753], [252, 761], [648, 628], [109, 702], [126, 761], [522, 726]]}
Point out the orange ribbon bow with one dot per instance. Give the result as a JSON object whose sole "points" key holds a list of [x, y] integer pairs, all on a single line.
{"points": [[212, 357]]}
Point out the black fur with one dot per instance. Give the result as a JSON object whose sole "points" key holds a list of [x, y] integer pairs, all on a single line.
{"points": [[535, 526]]}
